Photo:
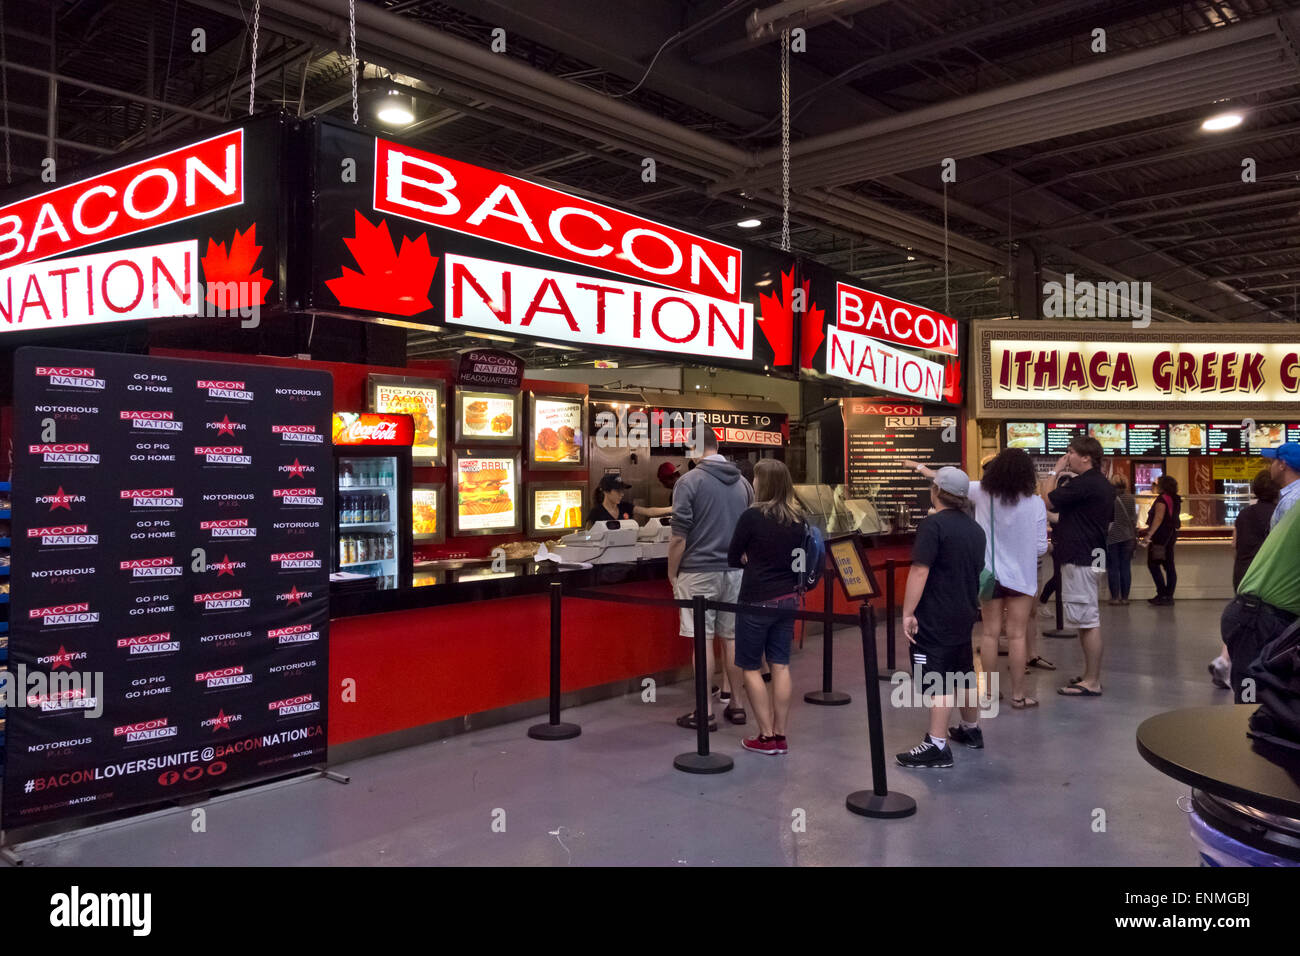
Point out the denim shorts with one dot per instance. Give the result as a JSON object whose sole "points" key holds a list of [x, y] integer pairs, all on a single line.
{"points": [[762, 635]]}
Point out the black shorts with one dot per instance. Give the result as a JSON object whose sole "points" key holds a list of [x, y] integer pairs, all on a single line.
{"points": [[942, 659], [1000, 592]]}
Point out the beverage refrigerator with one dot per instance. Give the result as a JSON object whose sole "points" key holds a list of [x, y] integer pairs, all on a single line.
{"points": [[372, 475]]}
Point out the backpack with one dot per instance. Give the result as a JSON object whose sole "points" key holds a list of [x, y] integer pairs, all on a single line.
{"points": [[814, 549], [1276, 672]]}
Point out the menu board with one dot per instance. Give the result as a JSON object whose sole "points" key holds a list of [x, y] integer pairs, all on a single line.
{"points": [[1224, 439], [1147, 438], [426, 513], [424, 403], [1269, 435], [487, 493], [555, 510], [1060, 434], [557, 437], [486, 416], [1111, 436], [879, 436], [1187, 438], [1031, 436]]}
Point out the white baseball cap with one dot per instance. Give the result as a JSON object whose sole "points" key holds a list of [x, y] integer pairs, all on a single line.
{"points": [[953, 480]]}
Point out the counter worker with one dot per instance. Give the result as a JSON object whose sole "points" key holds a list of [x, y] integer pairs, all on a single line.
{"points": [[610, 506]]}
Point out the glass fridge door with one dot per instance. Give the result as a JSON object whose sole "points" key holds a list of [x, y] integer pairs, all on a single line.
{"points": [[368, 515]]}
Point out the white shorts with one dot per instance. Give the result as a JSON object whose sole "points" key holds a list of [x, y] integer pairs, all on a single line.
{"points": [[1079, 583], [721, 586]]}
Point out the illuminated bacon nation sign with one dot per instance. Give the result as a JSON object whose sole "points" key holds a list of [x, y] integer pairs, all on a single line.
{"points": [[42, 285]]}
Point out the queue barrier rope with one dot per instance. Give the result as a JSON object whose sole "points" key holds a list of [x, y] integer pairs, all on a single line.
{"points": [[878, 802]]}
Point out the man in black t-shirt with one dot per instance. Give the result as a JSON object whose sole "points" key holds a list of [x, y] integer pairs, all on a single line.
{"points": [[939, 610], [1082, 511]]}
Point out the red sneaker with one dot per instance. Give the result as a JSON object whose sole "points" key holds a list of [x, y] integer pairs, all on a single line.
{"points": [[781, 746], [764, 745]]}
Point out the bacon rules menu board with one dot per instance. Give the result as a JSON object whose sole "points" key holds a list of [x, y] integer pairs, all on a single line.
{"points": [[170, 595]]}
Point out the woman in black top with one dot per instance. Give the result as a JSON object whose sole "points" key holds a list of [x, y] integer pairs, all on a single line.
{"points": [[766, 541], [1161, 535], [609, 504], [1251, 527]]}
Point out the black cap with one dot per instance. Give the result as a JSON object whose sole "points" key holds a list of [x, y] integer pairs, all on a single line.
{"points": [[613, 483]]}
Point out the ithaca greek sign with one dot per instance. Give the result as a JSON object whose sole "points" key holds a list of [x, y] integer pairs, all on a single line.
{"points": [[1078, 365]]}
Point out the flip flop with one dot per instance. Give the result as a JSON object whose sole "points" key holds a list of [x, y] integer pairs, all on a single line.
{"points": [[1025, 702], [1042, 662], [688, 721], [1077, 690]]}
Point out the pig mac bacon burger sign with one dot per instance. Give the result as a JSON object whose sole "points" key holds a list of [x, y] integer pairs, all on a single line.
{"points": [[178, 233], [424, 240]]}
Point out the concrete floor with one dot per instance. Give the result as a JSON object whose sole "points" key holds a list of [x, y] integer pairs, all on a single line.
{"points": [[612, 797]]}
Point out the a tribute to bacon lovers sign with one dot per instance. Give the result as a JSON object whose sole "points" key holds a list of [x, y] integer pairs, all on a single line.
{"points": [[171, 580]]}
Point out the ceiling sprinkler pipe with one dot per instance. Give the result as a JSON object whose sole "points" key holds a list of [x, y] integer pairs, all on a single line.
{"points": [[772, 20]]}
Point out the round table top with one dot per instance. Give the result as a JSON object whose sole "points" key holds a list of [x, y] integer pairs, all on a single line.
{"points": [[1207, 747]]}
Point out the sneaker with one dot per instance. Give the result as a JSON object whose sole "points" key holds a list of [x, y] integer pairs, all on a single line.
{"points": [[973, 738], [1219, 670], [763, 745], [926, 754], [783, 747]]}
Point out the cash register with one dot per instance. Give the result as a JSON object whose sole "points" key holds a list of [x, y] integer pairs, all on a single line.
{"points": [[652, 539], [606, 542]]}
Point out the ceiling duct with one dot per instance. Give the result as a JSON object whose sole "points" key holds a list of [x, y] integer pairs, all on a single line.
{"points": [[1188, 73]]}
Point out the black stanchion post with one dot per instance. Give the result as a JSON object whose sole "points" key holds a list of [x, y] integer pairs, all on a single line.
{"points": [[554, 730], [891, 608], [702, 761], [1060, 630], [878, 801], [827, 697]]}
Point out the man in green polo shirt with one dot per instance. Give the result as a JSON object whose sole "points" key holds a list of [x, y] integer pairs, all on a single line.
{"points": [[1268, 599]]}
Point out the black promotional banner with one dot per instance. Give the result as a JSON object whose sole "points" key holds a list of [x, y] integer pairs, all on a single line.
{"points": [[170, 596], [880, 434]]}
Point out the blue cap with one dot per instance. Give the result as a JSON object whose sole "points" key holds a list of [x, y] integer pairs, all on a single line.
{"points": [[1288, 454]]}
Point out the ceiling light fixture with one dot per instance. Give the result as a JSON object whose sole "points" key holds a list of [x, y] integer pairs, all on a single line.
{"points": [[1221, 121], [395, 109], [750, 223]]}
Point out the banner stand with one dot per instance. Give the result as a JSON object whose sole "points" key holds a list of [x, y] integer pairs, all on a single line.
{"points": [[11, 852]]}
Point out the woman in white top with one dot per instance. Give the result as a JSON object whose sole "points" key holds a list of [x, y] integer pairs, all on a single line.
{"points": [[1014, 519]]}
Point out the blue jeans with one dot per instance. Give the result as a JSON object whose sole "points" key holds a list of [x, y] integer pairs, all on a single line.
{"points": [[1119, 567]]}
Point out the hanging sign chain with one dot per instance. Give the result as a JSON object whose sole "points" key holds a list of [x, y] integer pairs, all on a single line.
{"points": [[785, 140], [352, 44], [947, 307], [252, 79], [4, 95]]}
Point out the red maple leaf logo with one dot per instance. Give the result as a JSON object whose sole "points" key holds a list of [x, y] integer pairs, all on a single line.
{"points": [[231, 281], [390, 281], [777, 320], [952, 381]]}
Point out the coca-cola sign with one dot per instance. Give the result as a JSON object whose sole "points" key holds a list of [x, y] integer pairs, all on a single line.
{"points": [[373, 428]]}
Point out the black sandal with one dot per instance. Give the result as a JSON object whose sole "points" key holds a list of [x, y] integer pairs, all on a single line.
{"points": [[735, 715], [1042, 662], [688, 722]]}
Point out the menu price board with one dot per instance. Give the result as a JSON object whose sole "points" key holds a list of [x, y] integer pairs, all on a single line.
{"points": [[879, 436], [1224, 439], [555, 508], [556, 439], [1031, 436], [427, 514], [1187, 438], [174, 545], [1271, 434], [423, 402], [1060, 434], [1147, 438], [487, 493], [487, 416], [1111, 436]]}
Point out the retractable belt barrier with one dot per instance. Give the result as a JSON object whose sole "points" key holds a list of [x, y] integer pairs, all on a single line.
{"points": [[878, 802]]}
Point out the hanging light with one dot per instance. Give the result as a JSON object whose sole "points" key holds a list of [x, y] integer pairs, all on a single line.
{"points": [[395, 109], [750, 223], [1221, 121]]}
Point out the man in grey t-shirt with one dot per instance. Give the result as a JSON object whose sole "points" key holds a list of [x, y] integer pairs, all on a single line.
{"points": [[707, 503]]}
